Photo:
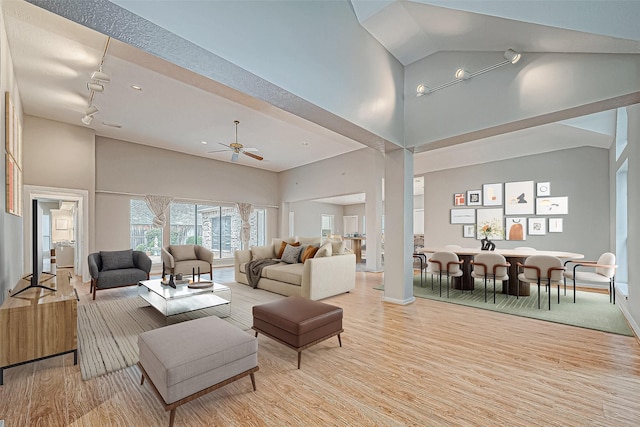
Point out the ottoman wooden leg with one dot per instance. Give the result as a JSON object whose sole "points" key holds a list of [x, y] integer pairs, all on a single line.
{"points": [[339, 340], [172, 417], [299, 358]]}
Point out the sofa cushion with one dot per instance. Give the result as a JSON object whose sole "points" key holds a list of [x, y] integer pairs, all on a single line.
{"points": [[262, 252], [117, 260], [125, 276], [309, 252], [288, 273], [291, 254], [315, 241], [325, 250], [283, 245], [183, 252]]}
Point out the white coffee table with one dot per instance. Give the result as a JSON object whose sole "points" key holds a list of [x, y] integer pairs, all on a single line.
{"points": [[183, 299]]}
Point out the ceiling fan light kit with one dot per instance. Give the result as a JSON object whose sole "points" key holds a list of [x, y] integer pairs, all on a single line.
{"points": [[238, 148], [510, 57]]}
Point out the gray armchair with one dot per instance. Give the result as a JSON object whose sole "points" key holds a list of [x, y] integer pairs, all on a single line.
{"points": [[112, 269], [185, 259]]}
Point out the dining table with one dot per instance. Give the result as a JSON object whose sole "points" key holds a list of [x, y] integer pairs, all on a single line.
{"points": [[513, 256]]}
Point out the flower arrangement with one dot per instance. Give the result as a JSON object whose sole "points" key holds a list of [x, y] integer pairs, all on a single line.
{"points": [[491, 229]]}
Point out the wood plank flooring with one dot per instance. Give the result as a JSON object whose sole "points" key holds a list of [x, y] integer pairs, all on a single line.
{"points": [[428, 364]]}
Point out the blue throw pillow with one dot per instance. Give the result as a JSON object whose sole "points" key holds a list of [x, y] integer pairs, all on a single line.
{"points": [[117, 260], [291, 254]]}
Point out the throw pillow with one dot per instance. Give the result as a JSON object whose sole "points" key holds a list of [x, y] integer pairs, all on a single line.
{"points": [[262, 252], [325, 250], [338, 247], [283, 245], [291, 254], [183, 252], [309, 252], [116, 260]]}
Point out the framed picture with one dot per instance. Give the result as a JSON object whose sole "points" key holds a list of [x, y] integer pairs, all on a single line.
{"points": [[543, 189], [537, 226], [492, 194], [552, 205], [463, 216], [518, 198], [516, 228], [490, 224], [474, 197], [555, 225], [469, 231], [458, 199]]}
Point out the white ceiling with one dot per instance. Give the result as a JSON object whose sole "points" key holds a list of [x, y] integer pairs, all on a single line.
{"points": [[177, 109]]}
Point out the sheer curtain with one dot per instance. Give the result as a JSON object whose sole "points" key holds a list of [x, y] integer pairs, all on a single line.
{"points": [[158, 205], [244, 210]]}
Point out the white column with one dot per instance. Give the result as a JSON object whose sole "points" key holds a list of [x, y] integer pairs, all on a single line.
{"points": [[398, 223], [373, 212]]}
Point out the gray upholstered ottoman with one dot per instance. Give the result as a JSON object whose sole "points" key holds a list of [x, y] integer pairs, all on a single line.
{"points": [[189, 359]]}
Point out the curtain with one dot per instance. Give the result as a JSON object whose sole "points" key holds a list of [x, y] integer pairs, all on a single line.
{"points": [[244, 210], [158, 205]]}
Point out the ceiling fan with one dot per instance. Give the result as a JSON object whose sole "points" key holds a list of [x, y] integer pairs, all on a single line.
{"points": [[238, 148]]}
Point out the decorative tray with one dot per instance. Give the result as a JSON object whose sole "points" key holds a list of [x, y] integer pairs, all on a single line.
{"points": [[201, 284]]}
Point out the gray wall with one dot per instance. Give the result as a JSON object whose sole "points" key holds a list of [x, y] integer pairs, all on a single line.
{"points": [[582, 174]]}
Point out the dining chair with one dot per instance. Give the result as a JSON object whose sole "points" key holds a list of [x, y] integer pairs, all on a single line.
{"points": [[422, 259], [447, 264], [604, 272], [490, 266], [542, 269]]}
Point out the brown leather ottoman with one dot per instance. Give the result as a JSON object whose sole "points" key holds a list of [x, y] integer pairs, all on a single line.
{"points": [[298, 322]]}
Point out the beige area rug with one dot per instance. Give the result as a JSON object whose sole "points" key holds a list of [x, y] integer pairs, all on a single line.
{"points": [[108, 331]]}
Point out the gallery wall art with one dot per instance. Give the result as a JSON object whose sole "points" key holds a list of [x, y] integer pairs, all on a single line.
{"points": [[518, 198]]}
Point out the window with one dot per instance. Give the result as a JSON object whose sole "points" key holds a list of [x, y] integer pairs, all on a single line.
{"points": [[144, 237]]}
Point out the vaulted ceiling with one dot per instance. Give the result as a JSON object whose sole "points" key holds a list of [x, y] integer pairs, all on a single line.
{"points": [[179, 110]]}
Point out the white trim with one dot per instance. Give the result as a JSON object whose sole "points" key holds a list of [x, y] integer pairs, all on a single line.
{"points": [[82, 198], [622, 301], [399, 301]]}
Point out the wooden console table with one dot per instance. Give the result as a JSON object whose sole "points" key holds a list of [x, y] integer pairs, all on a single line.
{"points": [[38, 324], [357, 247]]}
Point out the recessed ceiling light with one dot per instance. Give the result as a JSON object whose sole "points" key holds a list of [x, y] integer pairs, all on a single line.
{"points": [[305, 143], [204, 142], [136, 87]]}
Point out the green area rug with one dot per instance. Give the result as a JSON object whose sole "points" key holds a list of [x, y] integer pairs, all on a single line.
{"points": [[592, 310]]}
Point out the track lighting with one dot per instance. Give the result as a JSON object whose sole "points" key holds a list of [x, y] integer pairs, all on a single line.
{"points": [[100, 76], [510, 56], [462, 74], [422, 89], [88, 116], [95, 87]]}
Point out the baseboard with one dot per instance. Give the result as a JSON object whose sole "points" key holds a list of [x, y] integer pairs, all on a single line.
{"points": [[399, 301], [623, 302]]}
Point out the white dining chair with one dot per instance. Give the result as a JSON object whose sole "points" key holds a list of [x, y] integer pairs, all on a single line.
{"points": [[542, 269], [604, 272], [445, 264], [493, 266]]}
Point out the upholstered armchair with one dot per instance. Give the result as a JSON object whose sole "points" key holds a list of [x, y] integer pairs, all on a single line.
{"points": [[185, 259], [112, 269]]}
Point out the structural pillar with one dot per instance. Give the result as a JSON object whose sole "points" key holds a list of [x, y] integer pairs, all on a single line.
{"points": [[398, 227]]}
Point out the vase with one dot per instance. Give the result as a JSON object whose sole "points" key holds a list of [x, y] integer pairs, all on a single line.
{"points": [[487, 245]]}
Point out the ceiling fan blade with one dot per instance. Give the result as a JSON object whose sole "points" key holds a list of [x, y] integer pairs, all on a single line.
{"points": [[255, 156], [251, 149], [234, 157], [217, 151], [228, 146]]}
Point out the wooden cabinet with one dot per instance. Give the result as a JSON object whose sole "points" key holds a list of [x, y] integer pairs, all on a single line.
{"points": [[38, 323]]}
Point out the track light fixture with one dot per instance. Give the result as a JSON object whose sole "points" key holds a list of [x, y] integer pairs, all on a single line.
{"points": [[88, 116], [95, 87], [100, 76], [510, 56]]}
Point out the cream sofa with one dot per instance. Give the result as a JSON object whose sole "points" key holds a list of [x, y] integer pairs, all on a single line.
{"points": [[316, 278]]}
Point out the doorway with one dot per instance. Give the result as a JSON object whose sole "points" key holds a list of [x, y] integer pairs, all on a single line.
{"points": [[79, 237]]}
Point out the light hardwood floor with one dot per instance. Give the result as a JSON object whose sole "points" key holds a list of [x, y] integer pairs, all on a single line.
{"points": [[425, 364]]}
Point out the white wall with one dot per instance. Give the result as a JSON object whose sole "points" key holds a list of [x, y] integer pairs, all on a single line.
{"points": [[308, 217], [11, 243], [128, 169], [515, 92]]}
